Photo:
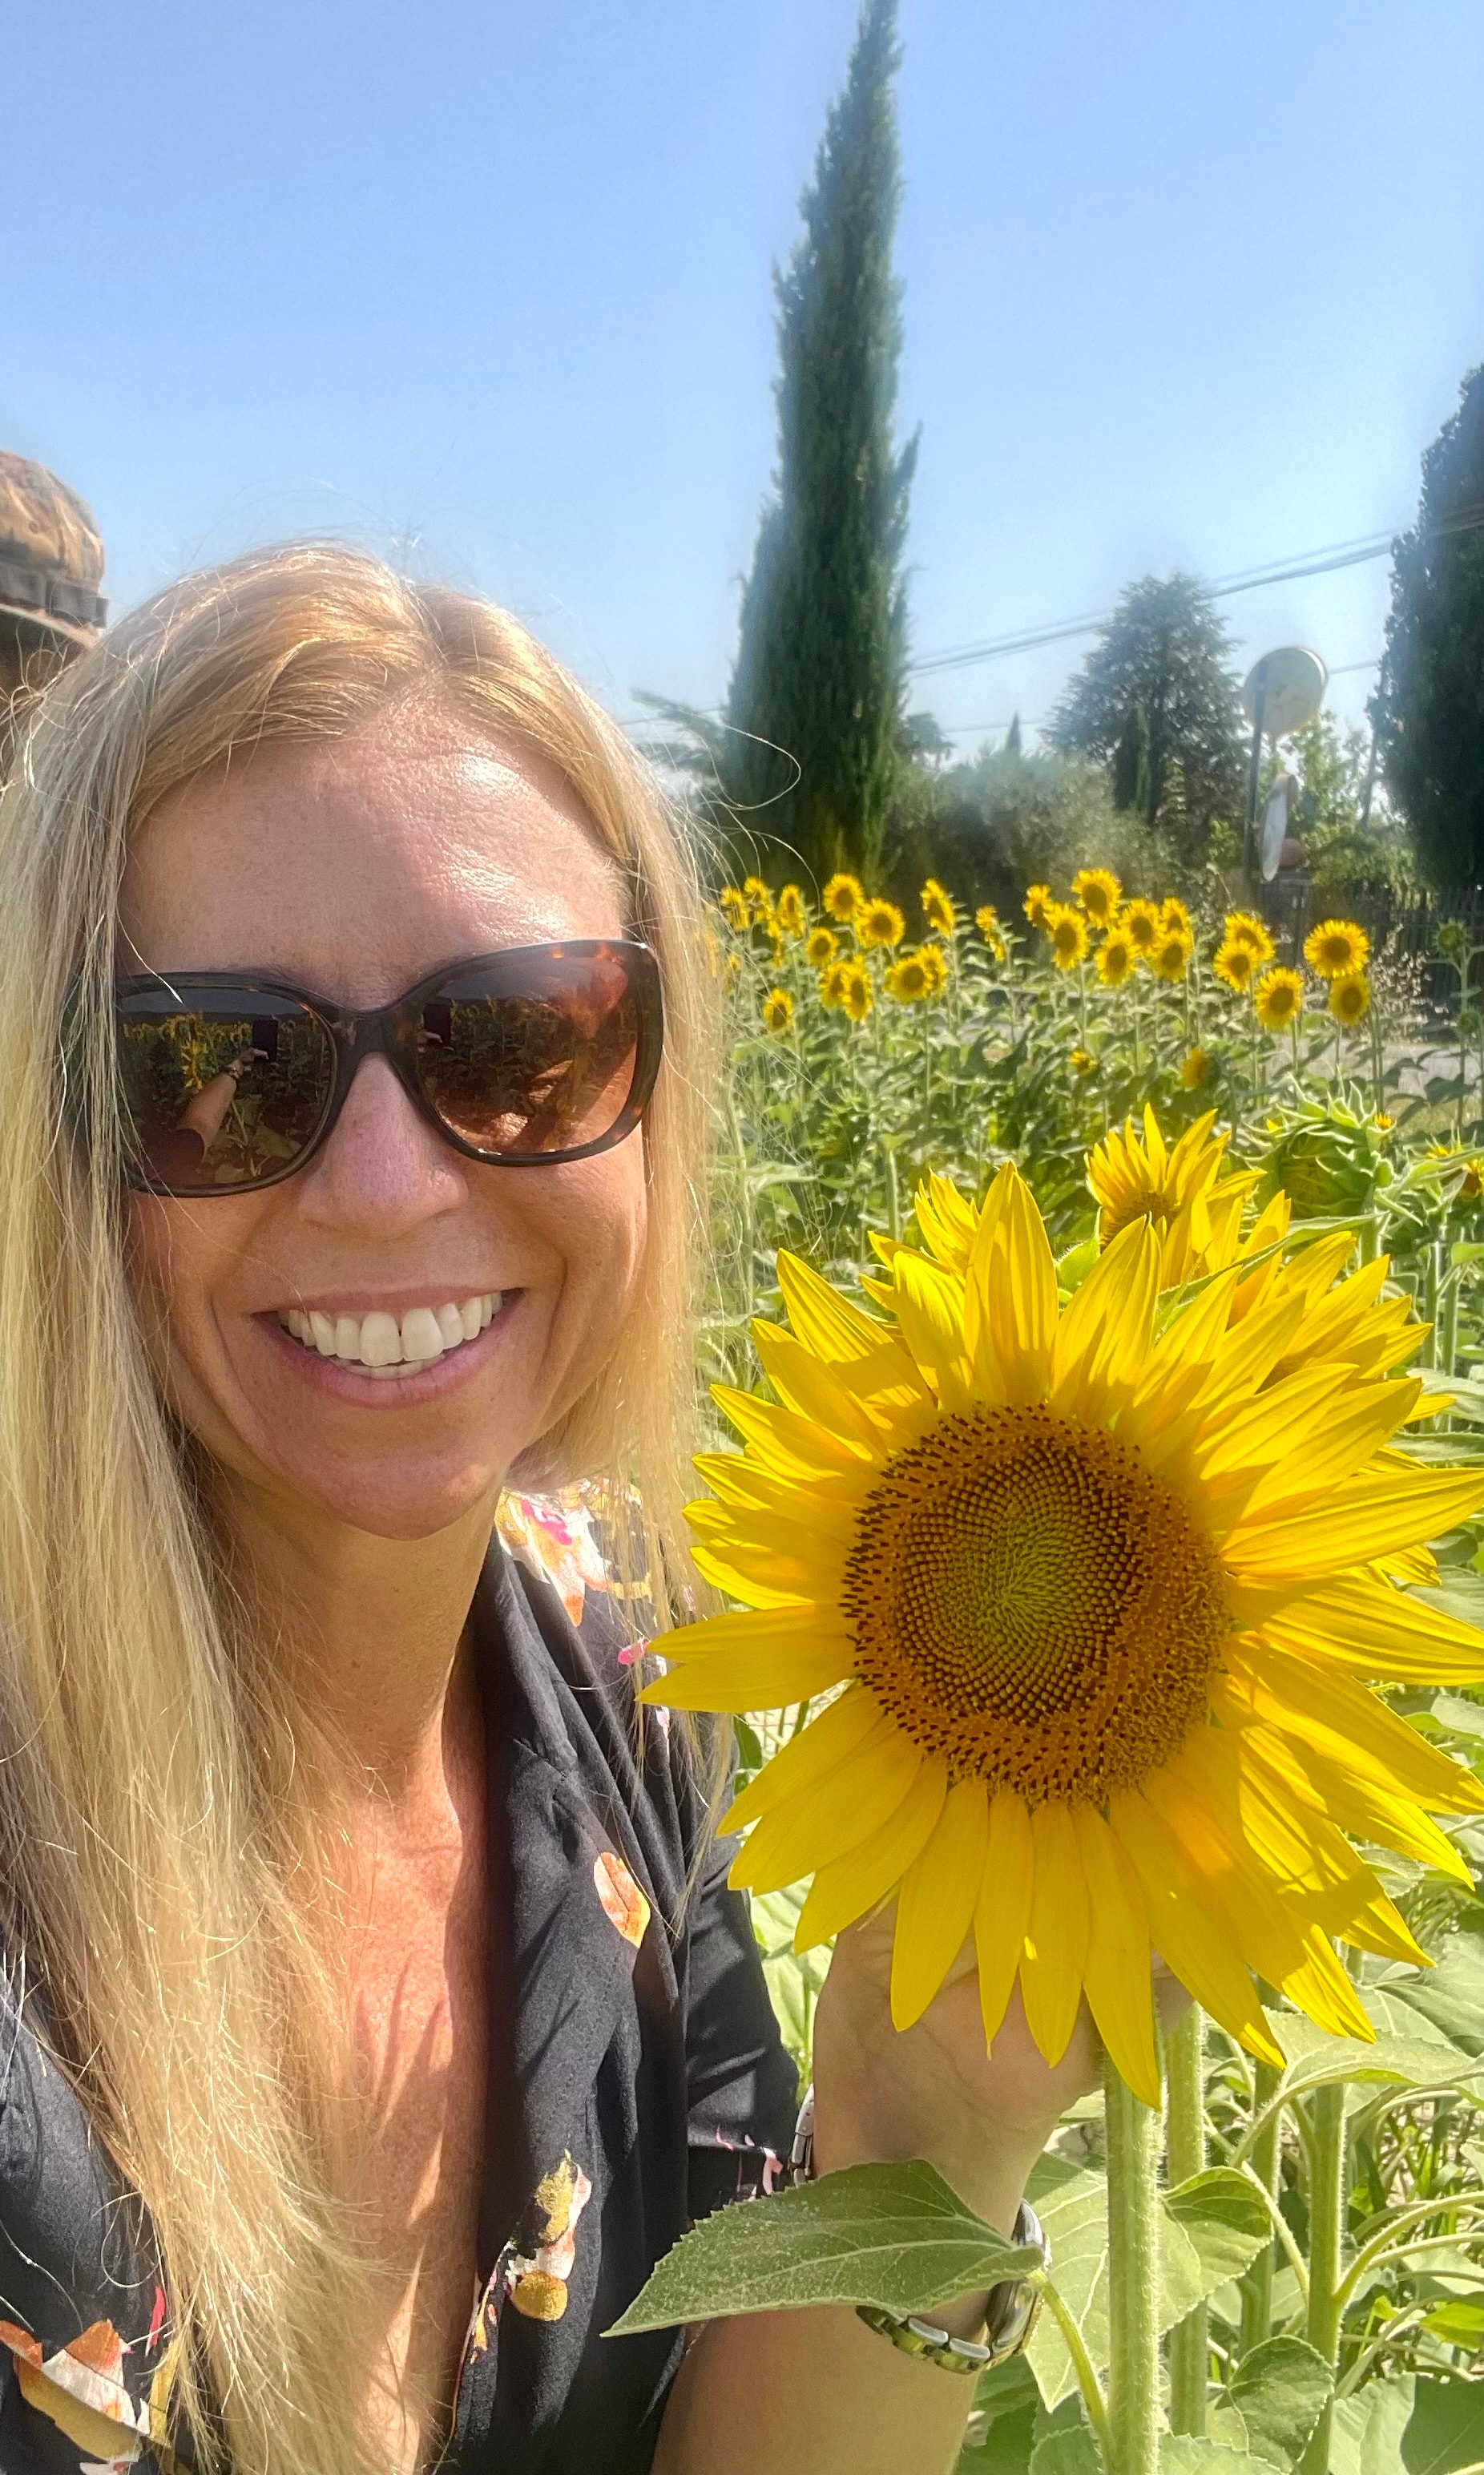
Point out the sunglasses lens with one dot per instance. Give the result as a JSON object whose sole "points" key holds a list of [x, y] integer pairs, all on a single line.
{"points": [[539, 1062], [221, 1086]]}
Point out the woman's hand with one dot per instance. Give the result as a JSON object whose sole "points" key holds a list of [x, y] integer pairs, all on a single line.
{"points": [[932, 2090]]}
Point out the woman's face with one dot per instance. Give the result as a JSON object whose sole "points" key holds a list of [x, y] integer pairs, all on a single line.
{"points": [[352, 867]]}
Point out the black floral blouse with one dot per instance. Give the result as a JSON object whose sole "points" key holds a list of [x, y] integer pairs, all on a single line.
{"points": [[637, 2082]]}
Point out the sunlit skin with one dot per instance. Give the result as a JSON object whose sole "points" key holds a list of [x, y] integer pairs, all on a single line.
{"points": [[362, 1510]]}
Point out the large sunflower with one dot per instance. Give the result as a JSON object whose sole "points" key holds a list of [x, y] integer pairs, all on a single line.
{"points": [[1095, 1592]]}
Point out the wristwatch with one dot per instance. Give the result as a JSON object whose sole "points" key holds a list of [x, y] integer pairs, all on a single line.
{"points": [[1009, 2315]]}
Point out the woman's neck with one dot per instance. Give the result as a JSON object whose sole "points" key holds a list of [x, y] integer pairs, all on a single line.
{"points": [[367, 1629]]}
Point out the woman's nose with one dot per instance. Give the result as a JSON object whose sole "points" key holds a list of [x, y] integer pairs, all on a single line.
{"points": [[385, 1169]]}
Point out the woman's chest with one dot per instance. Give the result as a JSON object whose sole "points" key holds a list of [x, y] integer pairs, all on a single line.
{"points": [[421, 2042]]}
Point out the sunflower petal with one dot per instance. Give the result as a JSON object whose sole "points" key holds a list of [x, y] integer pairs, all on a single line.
{"points": [[1322, 1986], [1120, 1994], [1367, 1811], [840, 1729], [791, 1447], [930, 1308], [1188, 1932], [847, 1809], [1055, 1950], [1003, 1909], [1375, 1631], [1348, 1725], [754, 1678], [935, 1904], [823, 1320], [1022, 1299], [805, 1385], [1365, 1517], [853, 1883]]}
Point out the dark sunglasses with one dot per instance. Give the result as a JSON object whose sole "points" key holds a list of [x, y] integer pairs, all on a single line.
{"points": [[542, 1053]]}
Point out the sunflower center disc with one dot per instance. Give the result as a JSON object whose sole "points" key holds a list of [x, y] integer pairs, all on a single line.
{"points": [[1030, 1605]]}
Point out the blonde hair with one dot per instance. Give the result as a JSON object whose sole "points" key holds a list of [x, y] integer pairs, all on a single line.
{"points": [[159, 1857]]}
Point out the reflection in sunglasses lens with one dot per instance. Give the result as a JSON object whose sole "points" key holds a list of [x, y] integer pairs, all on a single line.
{"points": [[225, 1089], [545, 1068]]}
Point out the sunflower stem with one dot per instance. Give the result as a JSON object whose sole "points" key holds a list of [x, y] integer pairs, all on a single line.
{"points": [[1326, 2237], [1257, 2286], [1133, 2280], [1184, 2155]]}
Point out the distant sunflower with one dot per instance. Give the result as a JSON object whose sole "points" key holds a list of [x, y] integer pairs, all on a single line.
{"points": [[843, 896], [1336, 949], [986, 920], [792, 916], [1140, 922], [907, 980], [1094, 1593], [821, 948], [1117, 958], [1245, 928], [777, 1011], [1235, 965], [1350, 997], [1034, 905], [1099, 891], [1278, 998], [1195, 1069], [759, 899], [1170, 958], [1188, 1194], [733, 906], [934, 962], [879, 923], [938, 909], [1081, 1063], [1175, 918], [1067, 931]]}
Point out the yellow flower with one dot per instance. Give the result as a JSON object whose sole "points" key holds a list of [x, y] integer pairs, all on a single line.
{"points": [[938, 908], [1081, 1063], [1195, 1069], [1067, 930], [1350, 997], [856, 995], [1278, 998], [1383, 1121], [879, 923], [1116, 958], [909, 980], [1235, 963], [1171, 956], [734, 908], [792, 917], [759, 899], [822, 946], [934, 962], [986, 920], [1098, 891], [1141, 924], [1336, 949], [777, 1011], [843, 896], [1175, 918], [1471, 1183], [1183, 1194], [1095, 1594], [1245, 928], [1034, 905], [832, 982]]}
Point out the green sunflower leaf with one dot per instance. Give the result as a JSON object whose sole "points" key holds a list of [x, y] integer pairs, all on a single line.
{"points": [[893, 2236], [1275, 2399]]}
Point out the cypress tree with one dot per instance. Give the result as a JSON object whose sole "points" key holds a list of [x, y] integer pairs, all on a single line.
{"points": [[816, 705], [1430, 710]]}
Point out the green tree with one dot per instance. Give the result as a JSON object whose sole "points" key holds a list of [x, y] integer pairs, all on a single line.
{"points": [[1430, 710], [1157, 691], [817, 703]]}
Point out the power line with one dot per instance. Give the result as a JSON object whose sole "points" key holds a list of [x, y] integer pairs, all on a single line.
{"points": [[1318, 562]]}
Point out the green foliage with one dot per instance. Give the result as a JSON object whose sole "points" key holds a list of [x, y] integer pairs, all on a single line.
{"points": [[1430, 708], [893, 2236], [1347, 849], [1157, 689], [811, 754], [1001, 820]]}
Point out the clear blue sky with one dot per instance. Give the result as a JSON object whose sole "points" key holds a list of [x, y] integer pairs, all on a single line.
{"points": [[488, 286]]}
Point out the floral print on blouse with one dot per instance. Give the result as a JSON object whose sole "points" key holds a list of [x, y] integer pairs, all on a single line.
{"points": [[638, 2082]]}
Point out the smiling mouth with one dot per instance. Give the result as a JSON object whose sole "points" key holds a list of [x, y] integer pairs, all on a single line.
{"points": [[387, 1347]]}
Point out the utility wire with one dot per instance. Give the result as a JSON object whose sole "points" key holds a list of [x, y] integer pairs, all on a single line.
{"points": [[1319, 562]]}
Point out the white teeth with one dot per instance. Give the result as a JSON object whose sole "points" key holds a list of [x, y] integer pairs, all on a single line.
{"points": [[421, 1338], [381, 1340], [376, 1344]]}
